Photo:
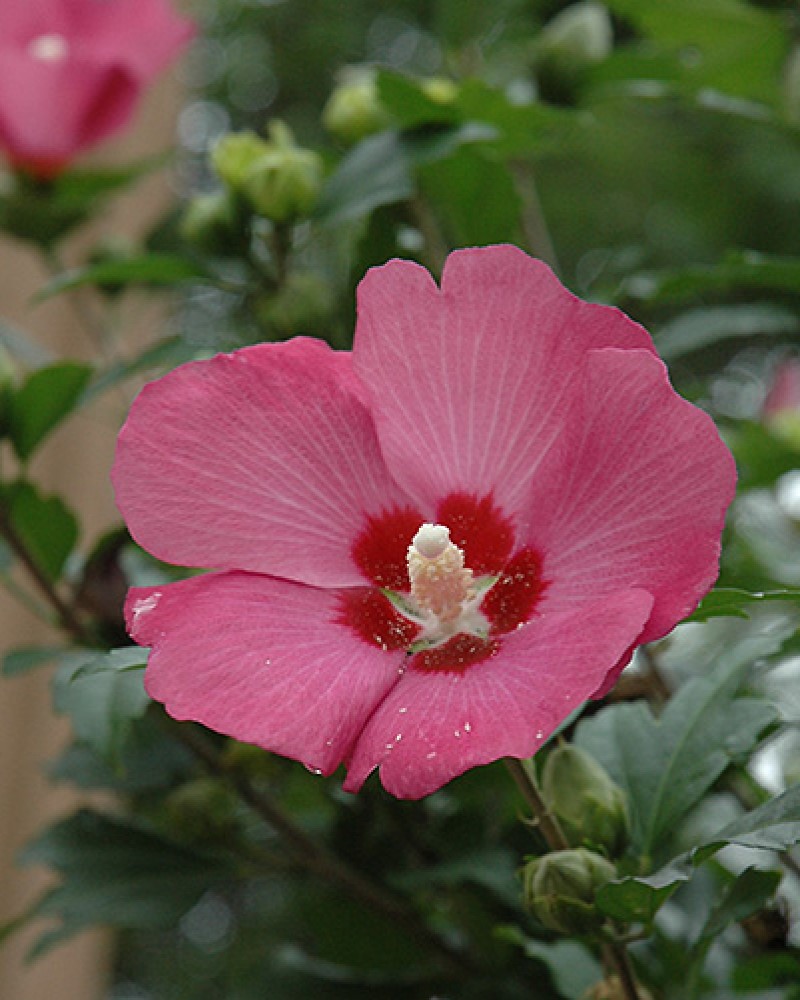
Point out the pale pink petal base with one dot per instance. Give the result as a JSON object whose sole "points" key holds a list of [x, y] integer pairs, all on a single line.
{"points": [[634, 495], [261, 660], [263, 460], [434, 726]]}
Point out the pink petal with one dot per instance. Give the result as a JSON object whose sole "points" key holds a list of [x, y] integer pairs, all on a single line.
{"points": [[469, 385], [51, 111], [262, 460], [141, 35], [635, 494], [433, 726], [262, 660]]}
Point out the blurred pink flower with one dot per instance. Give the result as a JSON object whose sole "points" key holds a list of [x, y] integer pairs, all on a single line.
{"points": [[584, 501], [783, 395], [71, 72]]}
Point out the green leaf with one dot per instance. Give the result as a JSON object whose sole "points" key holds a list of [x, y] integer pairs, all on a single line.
{"points": [[466, 179], [748, 892], [667, 764], [44, 526], [46, 398], [700, 328], [103, 696], [118, 874], [161, 356], [775, 825], [573, 967], [736, 272], [26, 658], [147, 269], [380, 170], [637, 899], [740, 48], [731, 602]]}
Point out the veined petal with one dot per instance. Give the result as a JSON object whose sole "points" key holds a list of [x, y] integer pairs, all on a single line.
{"points": [[262, 660], [433, 726], [634, 495], [469, 385], [264, 460]]}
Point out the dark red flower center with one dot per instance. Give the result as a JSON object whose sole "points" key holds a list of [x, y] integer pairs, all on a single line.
{"points": [[511, 577]]}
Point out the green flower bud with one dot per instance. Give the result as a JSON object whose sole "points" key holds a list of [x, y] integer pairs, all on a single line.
{"points": [[354, 109], [214, 223], [202, 812], [578, 36], [575, 39], [284, 182], [303, 304], [234, 155], [589, 806], [559, 889], [439, 89]]}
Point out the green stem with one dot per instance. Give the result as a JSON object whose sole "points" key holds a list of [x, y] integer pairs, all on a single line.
{"points": [[523, 774], [617, 957], [66, 616]]}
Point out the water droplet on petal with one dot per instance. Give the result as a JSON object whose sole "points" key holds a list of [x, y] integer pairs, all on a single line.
{"points": [[431, 755], [467, 727]]}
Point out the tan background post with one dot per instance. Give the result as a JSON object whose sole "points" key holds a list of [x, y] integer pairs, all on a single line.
{"points": [[75, 463]]}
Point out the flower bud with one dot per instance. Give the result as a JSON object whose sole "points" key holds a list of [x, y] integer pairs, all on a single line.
{"points": [[589, 806], [213, 223], [285, 181], [559, 889], [354, 109], [234, 155], [576, 38], [302, 304], [439, 89], [202, 812]]}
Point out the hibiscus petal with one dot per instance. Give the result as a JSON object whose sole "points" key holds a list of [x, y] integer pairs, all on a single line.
{"points": [[634, 495], [262, 460], [262, 660], [49, 111], [141, 35], [469, 385], [433, 726]]}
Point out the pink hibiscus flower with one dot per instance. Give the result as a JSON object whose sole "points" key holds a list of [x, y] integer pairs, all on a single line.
{"points": [[71, 72], [428, 551]]}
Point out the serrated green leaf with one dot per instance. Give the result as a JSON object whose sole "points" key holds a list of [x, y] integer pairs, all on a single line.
{"points": [[667, 764], [117, 874], [147, 269], [730, 602], [44, 525], [103, 695], [47, 397]]}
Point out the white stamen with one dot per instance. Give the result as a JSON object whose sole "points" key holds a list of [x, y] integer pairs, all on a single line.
{"points": [[49, 48], [440, 583], [431, 540]]}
